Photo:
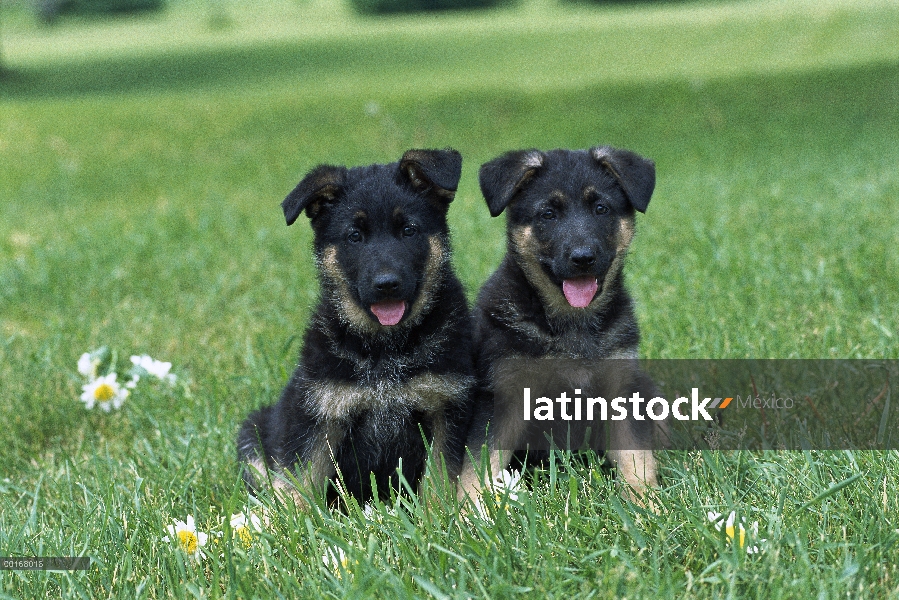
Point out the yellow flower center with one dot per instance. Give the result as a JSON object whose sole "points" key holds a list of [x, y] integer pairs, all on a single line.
{"points": [[731, 533], [188, 541], [104, 392], [243, 533]]}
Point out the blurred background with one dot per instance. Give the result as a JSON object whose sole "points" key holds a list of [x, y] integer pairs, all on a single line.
{"points": [[145, 147]]}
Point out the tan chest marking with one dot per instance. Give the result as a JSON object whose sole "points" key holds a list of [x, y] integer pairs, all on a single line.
{"points": [[427, 392]]}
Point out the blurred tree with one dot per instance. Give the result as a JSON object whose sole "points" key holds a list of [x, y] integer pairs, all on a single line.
{"points": [[2, 64], [50, 10], [413, 6]]}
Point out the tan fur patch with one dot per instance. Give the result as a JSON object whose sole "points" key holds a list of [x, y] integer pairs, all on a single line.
{"points": [[438, 448], [351, 313], [625, 234], [636, 467], [257, 469], [325, 194], [288, 493], [415, 178], [428, 392], [470, 478], [312, 475], [603, 157], [438, 257], [526, 248], [355, 316], [533, 160], [320, 465]]}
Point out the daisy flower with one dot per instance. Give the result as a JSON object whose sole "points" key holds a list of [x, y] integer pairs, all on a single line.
{"points": [[105, 391], [376, 517], [507, 482], [154, 367], [189, 539], [336, 560], [735, 531], [502, 486], [244, 526], [88, 364]]}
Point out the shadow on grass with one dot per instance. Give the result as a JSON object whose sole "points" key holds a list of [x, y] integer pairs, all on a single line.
{"points": [[303, 65], [212, 68]]}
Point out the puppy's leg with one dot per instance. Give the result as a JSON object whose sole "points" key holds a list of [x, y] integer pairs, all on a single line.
{"points": [[313, 470], [632, 442], [254, 448], [635, 463], [503, 439], [638, 470], [444, 460]]}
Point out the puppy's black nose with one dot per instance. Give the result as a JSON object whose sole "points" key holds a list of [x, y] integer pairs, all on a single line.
{"points": [[583, 257], [387, 283]]}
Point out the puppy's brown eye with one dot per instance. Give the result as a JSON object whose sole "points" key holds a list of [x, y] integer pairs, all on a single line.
{"points": [[354, 237], [409, 231], [602, 209], [548, 214]]}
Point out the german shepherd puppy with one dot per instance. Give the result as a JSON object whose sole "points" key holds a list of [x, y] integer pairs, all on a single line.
{"points": [[559, 294], [386, 360]]}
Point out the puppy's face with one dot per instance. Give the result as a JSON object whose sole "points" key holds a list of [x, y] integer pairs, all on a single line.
{"points": [[380, 235], [570, 216], [377, 241]]}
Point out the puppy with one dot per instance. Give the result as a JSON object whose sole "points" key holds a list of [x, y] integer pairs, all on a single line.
{"points": [[386, 360], [557, 303]]}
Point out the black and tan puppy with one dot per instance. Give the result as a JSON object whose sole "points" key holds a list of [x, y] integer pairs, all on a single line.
{"points": [[559, 296], [386, 356]]}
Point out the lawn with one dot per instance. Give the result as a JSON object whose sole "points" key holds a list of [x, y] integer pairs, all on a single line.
{"points": [[142, 163]]}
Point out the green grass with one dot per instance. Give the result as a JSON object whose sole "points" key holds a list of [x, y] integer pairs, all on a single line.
{"points": [[142, 162]]}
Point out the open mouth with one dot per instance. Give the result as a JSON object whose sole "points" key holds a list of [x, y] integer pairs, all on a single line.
{"points": [[388, 312], [579, 291]]}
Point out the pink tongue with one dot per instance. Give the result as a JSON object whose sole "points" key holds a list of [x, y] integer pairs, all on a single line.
{"points": [[389, 312], [579, 291]]}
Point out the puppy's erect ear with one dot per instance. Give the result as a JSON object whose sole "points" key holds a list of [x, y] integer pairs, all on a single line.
{"points": [[503, 177], [323, 184], [635, 174], [432, 172]]}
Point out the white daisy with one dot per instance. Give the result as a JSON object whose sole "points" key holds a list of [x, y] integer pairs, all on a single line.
{"points": [[735, 531], [507, 482], [88, 365], [189, 539], [504, 485], [104, 391], [154, 367], [336, 560], [243, 526], [374, 515]]}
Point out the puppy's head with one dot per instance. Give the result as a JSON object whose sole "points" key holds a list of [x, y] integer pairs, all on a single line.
{"points": [[381, 238], [570, 217]]}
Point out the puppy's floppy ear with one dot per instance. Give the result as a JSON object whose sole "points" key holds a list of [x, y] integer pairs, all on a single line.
{"points": [[635, 174], [323, 184], [503, 177], [432, 172]]}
